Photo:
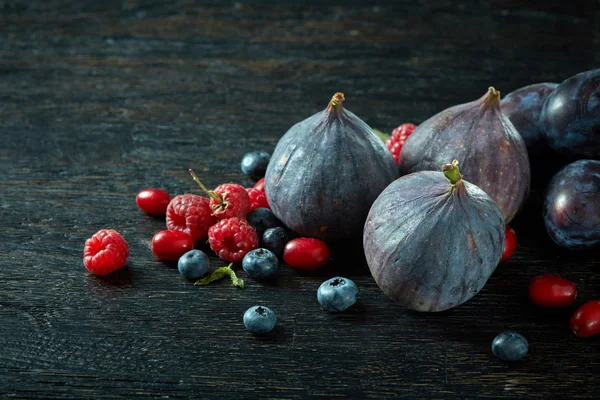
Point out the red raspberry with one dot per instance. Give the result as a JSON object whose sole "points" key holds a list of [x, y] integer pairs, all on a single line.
{"points": [[106, 251], [396, 141], [260, 185], [232, 239], [228, 200], [257, 199], [191, 214]]}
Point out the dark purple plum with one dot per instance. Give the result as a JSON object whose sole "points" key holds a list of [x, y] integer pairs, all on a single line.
{"points": [[325, 173], [523, 107], [486, 144], [432, 240], [572, 206], [570, 118]]}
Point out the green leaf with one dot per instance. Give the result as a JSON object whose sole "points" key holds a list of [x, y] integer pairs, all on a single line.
{"points": [[221, 273], [383, 136]]}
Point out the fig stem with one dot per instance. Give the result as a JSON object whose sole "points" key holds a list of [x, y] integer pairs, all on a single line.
{"points": [[452, 173], [337, 99], [210, 193], [492, 97]]}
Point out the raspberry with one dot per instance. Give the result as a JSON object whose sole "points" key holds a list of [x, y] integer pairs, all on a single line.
{"points": [[226, 201], [396, 141], [257, 199], [106, 251], [191, 214], [232, 239]]}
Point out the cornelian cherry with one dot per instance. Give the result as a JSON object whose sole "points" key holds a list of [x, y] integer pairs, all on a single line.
{"points": [[153, 201], [306, 253], [510, 244], [586, 320], [170, 245], [552, 291], [260, 185]]}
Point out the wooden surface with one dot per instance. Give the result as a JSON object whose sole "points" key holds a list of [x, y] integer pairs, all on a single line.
{"points": [[100, 101]]}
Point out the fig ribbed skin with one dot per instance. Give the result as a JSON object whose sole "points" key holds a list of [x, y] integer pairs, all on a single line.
{"points": [[432, 246], [325, 173], [486, 144]]}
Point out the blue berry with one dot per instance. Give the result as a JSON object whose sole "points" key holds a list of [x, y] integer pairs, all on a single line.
{"points": [[275, 239], [510, 346], [259, 319], [337, 294], [254, 164], [262, 219], [260, 264], [193, 264]]}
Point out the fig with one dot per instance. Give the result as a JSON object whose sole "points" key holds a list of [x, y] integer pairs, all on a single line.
{"points": [[325, 173], [572, 206], [523, 107], [570, 118], [486, 144], [432, 239]]}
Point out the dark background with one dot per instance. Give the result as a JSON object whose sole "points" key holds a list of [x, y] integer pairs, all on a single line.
{"points": [[100, 101]]}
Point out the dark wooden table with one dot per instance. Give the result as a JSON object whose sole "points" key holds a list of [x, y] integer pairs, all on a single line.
{"points": [[100, 101]]}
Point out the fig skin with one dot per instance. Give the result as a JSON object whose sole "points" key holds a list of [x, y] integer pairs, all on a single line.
{"points": [[486, 144], [432, 245], [570, 118], [325, 173], [572, 206], [523, 107]]}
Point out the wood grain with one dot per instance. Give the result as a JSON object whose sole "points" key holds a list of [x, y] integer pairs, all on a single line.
{"points": [[101, 99]]}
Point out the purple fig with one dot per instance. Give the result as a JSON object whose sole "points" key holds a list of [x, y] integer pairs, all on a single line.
{"points": [[432, 240], [325, 173], [486, 144]]}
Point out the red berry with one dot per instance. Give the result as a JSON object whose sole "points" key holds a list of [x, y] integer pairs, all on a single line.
{"points": [[396, 141], [153, 201], [226, 201], [257, 199], [191, 214], [106, 251], [260, 185], [552, 291], [170, 245], [232, 239], [510, 244], [306, 253], [586, 320]]}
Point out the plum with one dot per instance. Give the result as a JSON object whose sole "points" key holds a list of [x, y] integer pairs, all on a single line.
{"points": [[572, 206], [570, 118], [523, 107]]}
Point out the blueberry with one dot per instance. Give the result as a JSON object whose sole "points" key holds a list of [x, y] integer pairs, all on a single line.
{"points": [[510, 346], [254, 164], [193, 264], [260, 264], [259, 319], [275, 239], [262, 219], [337, 294]]}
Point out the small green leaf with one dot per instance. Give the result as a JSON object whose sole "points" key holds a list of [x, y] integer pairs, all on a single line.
{"points": [[383, 136], [221, 273]]}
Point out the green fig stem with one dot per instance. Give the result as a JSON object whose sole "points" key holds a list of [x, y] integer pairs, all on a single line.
{"points": [[492, 97], [452, 173], [337, 99], [210, 193], [221, 273]]}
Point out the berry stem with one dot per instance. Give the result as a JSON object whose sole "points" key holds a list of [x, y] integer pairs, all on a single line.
{"points": [[221, 273], [210, 193], [452, 173]]}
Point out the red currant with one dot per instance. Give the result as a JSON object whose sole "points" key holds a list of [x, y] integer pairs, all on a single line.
{"points": [[306, 253], [170, 245], [510, 244], [586, 320], [552, 291], [153, 201]]}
